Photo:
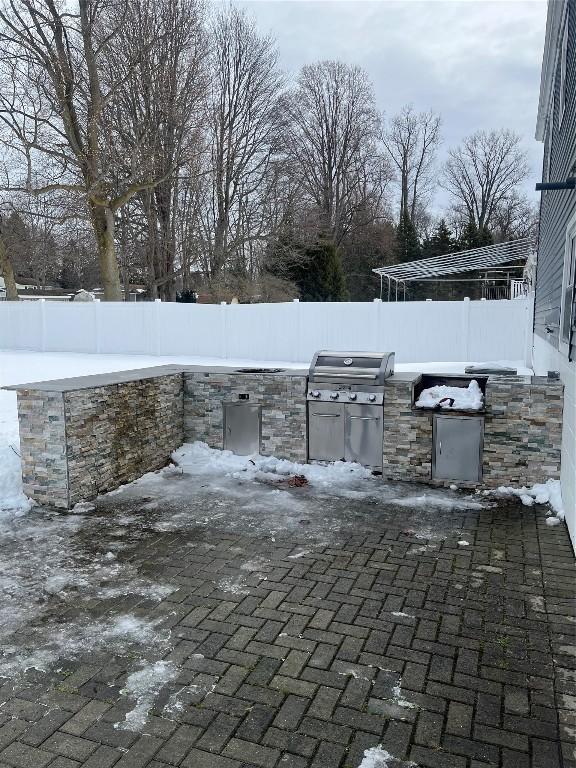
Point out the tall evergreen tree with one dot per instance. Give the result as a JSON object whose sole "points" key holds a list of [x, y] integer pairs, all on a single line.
{"points": [[440, 243], [472, 237], [319, 274], [407, 246]]}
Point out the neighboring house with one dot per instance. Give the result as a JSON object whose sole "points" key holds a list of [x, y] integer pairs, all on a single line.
{"points": [[19, 285], [555, 302]]}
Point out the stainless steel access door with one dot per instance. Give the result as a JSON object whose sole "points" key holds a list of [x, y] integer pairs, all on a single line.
{"points": [[364, 434], [326, 431], [457, 448], [242, 428]]}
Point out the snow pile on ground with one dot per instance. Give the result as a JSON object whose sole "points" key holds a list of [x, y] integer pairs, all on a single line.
{"points": [[257, 495], [199, 459], [432, 499], [468, 398], [549, 492], [12, 500], [378, 757], [144, 686]]}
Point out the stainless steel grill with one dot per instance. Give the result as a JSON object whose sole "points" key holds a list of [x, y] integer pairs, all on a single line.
{"points": [[345, 406]]}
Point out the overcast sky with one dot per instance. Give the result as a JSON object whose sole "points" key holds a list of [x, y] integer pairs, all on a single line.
{"points": [[476, 62]]}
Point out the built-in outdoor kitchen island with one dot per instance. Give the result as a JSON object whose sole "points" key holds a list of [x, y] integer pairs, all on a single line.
{"points": [[88, 435]]}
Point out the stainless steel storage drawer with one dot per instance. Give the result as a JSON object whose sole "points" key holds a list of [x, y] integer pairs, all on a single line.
{"points": [[242, 428], [457, 448], [326, 431], [364, 434]]}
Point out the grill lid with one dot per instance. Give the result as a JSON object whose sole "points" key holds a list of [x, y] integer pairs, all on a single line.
{"points": [[349, 367]]}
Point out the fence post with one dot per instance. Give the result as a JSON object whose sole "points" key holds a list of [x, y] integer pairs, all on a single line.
{"points": [[42, 325], [466, 329], [224, 327], [376, 322], [156, 321], [296, 331]]}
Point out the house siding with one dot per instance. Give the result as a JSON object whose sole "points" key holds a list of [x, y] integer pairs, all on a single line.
{"points": [[556, 211], [557, 207]]}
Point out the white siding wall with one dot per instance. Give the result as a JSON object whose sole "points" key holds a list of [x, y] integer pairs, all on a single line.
{"points": [[548, 358]]}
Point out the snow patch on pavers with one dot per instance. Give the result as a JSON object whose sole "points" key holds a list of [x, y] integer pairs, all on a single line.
{"points": [[51, 576], [144, 686], [391, 701], [378, 757], [45, 645], [235, 585]]}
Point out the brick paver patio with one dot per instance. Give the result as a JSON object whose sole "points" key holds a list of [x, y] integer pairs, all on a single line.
{"points": [[292, 652]]}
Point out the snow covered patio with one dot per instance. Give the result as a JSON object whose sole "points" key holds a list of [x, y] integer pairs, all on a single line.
{"points": [[220, 615], [232, 613]]}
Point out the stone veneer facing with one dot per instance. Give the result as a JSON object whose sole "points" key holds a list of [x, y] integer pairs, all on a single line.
{"points": [[82, 437], [283, 401], [522, 433], [79, 443]]}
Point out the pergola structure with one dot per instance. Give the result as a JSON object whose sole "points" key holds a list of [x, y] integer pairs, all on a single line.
{"points": [[437, 267]]}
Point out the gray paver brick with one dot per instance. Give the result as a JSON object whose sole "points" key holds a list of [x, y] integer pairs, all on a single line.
{"points": [[69, 746], [253, 753], [198, 759], [22, 756], [305, 667]]}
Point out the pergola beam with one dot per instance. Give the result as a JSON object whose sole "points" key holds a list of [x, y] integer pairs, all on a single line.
{"points": [[463, 261]]}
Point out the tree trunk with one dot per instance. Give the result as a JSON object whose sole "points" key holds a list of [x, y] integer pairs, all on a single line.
{"points": [[404, 192], [103, 224], [219, 258], [7, 273]]}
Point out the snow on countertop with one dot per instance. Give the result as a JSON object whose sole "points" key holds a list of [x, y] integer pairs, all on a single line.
{"points": [[468, 398]]}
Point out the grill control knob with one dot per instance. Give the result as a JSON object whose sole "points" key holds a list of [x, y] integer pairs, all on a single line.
{"points": [[316, 393], [372, 398], [352, 396], [334, 395]]}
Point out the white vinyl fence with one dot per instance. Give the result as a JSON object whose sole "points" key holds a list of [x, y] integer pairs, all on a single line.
{"points": [[422, 331]]}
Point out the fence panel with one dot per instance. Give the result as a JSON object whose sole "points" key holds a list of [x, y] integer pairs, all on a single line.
{"points": [[422, 331]]}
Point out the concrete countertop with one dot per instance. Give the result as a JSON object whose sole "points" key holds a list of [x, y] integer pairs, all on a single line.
{"points": [[207, 369], [92, 381], [95, 380], [406, 377]]}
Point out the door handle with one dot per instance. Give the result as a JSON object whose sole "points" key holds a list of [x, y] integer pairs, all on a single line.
{"points": [[325, 415], [365, 418], [440, 446]]}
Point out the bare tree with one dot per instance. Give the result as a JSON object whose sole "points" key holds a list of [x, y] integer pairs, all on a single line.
{"points": [[6, 268], [516, 217], [161, 112], [412, 140], [332, 127], [59, 111], [483, 173], [245, 85]]}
